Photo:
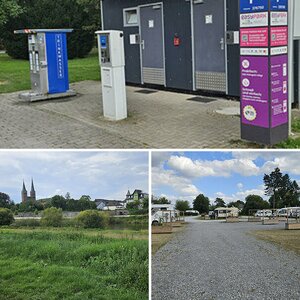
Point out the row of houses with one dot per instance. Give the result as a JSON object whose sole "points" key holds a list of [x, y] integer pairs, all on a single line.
{"points": [[137, 196]]}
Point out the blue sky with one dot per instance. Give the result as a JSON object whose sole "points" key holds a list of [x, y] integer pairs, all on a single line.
{"points": [[105, 174], [229, 175]]}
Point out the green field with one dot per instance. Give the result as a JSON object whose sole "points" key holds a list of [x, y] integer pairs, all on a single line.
{"points": [[14, 73], [67, 263]]}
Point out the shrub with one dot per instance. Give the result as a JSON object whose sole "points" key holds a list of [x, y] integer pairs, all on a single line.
{"points": [[92, 219], [52, 217], [6, 216], [81, 15]]}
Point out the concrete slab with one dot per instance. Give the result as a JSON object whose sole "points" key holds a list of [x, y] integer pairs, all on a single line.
{"points": [[157, 120]]}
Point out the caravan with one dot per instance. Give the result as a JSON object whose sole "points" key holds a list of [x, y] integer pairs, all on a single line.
{"points": [[163, 213]]}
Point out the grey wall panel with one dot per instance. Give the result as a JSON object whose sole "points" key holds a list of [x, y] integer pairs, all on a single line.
{"points": [[233, 51], [113, 20], [178, 58], [176, 21]]}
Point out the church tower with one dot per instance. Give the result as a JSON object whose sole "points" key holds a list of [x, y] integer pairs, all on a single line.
{"points": [[24, 193], [32, 192]]}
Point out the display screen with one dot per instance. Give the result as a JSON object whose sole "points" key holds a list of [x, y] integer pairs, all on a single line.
{"points": [[103, 41]]}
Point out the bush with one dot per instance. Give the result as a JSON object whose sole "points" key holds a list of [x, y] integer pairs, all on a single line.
{"points": [[81, 15], [92, 219], [6, 216], [52, 217]]}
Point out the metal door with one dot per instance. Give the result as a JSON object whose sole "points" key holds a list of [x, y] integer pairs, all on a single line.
{"points": [[152, 44], [209, 45]]}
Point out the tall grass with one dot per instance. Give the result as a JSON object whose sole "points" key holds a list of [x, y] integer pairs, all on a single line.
{"points": [[71, 265]]}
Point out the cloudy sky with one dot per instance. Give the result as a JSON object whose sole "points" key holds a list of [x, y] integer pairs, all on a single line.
{"points": [[229, 175], [98, 174]]}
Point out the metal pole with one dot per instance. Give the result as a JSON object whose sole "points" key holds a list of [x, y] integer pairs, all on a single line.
{"points": [[291, 60]]}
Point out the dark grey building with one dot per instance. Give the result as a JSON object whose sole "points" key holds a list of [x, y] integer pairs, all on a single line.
{"points": [[179, 44]]}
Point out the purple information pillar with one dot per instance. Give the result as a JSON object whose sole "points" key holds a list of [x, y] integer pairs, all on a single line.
{"points": [[264, 70]]}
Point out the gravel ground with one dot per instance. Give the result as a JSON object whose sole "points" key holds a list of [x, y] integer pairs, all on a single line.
{"points": [[213, 260]]}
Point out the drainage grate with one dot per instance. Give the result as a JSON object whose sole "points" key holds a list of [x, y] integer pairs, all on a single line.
{"points": [[202, 100], [146, 91]]}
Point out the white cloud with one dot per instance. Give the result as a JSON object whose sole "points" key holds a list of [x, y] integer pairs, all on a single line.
{"points": [[200, 168], [183, 186]]}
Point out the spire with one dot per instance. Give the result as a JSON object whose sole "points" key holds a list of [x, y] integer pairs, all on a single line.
{"points": [[24, 188], [32, 186], [32, 192], [128, 193]]}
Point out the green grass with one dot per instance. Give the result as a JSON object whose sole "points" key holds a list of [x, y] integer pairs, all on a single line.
{"points": [[292, 142], [14, 73], [72, 264]]}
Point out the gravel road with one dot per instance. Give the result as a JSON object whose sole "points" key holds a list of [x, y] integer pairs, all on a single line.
{"points": [[213, 260]]}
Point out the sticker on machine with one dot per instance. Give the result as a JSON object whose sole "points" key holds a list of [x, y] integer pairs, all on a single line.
{"points": [[255, 51], [279, 18], [254, 20], [279, 50], [254, 37]]}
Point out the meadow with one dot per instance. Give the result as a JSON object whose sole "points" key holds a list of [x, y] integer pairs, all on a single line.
{"points": [[14, 73], [71, 263]]}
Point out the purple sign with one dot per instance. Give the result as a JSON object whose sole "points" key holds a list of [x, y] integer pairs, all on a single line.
{"points": [[279, 90], [254, 90]]}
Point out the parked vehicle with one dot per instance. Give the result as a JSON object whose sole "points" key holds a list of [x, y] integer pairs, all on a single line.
{"points": [[225, 212], [163, 213], [291, 212], [264, 213]]}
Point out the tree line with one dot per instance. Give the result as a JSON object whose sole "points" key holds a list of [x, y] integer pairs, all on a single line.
{"points": [[82, 15], [66, 203], [280, 188]]}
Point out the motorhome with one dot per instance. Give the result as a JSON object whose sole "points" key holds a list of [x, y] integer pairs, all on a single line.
{"points": [[288, 212], [163, 213], [225, 212]]}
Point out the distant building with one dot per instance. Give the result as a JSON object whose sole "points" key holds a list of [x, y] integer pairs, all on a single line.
{"points": [[104, 204], [137, 195], [114, 205], [24, 195]]}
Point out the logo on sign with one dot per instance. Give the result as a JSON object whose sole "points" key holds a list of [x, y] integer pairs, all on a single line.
{"points": [[59, 56], [249, 113], [254, 20]]}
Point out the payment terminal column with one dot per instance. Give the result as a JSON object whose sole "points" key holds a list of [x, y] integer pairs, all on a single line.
{"points": [[112, 64]]}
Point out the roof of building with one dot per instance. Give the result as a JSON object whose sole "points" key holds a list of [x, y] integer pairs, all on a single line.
{"points": [[109, 202]]}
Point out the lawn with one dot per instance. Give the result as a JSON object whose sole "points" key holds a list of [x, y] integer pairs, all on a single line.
{"points": [[288, 239], [14, 73], [70, 263]]}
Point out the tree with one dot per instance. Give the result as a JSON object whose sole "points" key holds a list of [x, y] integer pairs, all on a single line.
{"points": [[58, 202], [219, 202], [239, 204], [82, 15], [92, 219], [201, 204], [85, 203], [52, 217], [145, 203], [9, 9], [6, 216], [282, 190], [254, 202], [182, 205], [5, 200], [161, 200]]}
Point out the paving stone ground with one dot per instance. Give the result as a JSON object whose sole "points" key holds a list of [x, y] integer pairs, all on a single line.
{"points": [[159, 120], [213, 260]]}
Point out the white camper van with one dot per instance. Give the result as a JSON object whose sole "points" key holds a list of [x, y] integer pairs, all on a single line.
{"points": [[163, 213]]}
